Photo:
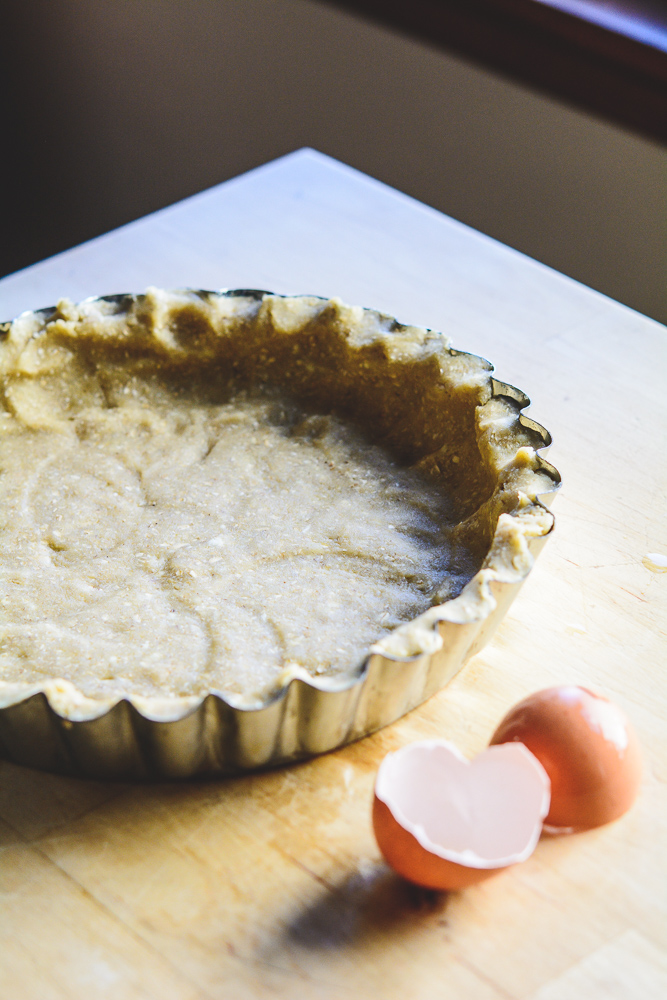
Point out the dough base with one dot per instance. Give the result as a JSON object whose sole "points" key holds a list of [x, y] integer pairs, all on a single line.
{"points": [[163, 545], [208, 492]]}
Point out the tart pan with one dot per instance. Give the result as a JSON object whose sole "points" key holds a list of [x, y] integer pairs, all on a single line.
{"points": [[55, 728]]}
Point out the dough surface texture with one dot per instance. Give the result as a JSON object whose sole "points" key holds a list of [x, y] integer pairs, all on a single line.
{"points": [[208, 493]]}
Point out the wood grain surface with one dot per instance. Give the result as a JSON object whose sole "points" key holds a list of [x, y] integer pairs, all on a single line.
{"points": [[271, 885]]}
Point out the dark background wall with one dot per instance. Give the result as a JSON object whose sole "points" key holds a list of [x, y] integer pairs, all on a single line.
{"points": [[113, 109]]}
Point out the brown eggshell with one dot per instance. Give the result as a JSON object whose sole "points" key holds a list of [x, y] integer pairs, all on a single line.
{"points": [[413, 862], [587, 747], [444, 822]]}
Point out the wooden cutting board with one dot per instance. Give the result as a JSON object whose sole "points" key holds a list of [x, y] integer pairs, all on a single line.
{"points": [[271, 885]]}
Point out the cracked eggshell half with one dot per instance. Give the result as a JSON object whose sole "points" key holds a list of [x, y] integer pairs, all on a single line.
{"points": [[587, 747], [444, 822]]}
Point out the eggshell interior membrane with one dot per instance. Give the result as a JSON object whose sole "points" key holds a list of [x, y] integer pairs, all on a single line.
{"points": [[587, 747], [484, 814]]}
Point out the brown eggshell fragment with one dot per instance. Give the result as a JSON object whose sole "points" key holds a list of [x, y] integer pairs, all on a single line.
{"points": [[444, 822], [587, 747]]}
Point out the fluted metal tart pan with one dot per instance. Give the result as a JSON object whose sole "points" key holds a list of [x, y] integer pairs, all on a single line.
{"points": [[219, 734]]}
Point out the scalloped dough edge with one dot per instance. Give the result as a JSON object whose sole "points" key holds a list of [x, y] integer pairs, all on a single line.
{"points": [[508, 561]]}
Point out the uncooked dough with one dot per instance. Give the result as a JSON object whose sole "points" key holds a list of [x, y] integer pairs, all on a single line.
{"points": [[165, 545]]}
